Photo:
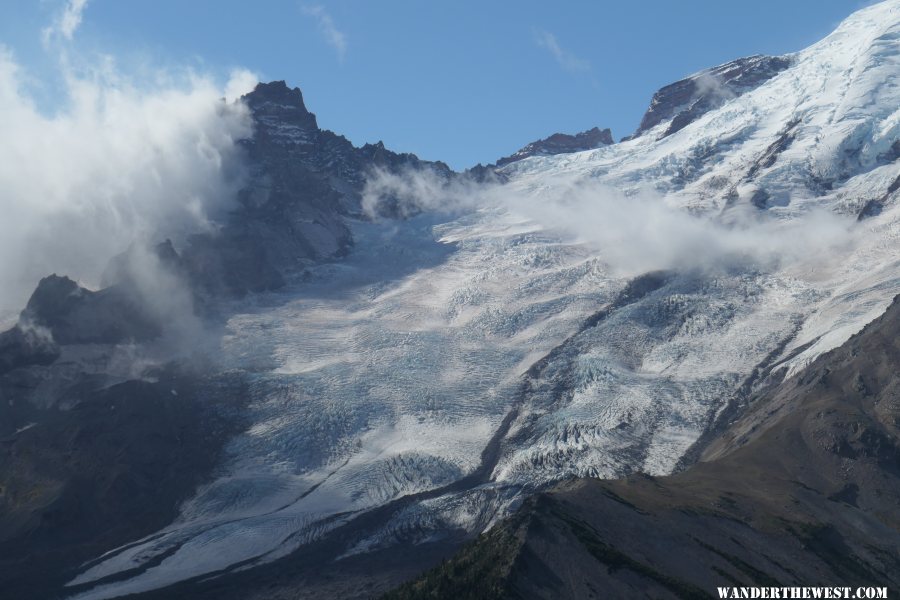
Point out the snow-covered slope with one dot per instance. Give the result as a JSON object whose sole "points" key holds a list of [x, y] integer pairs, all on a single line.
{"points": [[468, 358], [823, 134]]}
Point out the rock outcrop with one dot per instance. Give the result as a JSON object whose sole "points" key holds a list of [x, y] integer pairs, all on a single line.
{"points": [[562, 143], [685, 101]]}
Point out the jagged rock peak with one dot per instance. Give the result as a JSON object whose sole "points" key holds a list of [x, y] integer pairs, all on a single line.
{"points": [[277, 99], [562, 143], [277, 91]]}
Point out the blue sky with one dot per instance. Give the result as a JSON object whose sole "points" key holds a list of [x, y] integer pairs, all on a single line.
{"points": [[461, 81]]}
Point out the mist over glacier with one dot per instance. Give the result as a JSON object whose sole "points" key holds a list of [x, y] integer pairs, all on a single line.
{"points": [[633, 232]]}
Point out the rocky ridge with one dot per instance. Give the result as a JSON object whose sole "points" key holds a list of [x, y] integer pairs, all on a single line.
{"points": [[561, 143]]}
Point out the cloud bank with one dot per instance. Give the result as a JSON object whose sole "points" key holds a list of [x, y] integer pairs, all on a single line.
{"points": [[119, 162]]}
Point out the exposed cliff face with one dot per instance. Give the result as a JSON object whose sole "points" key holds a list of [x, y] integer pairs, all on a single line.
{"points": [[287, 137], [293, 205], [685, 101], [801, 490], [306, 180]]}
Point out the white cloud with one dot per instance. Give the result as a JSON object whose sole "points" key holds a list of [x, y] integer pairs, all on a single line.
{"points": [[566, 60], [712, 87], [240, 83], [121, 161], [333, 36], [67, 21]]}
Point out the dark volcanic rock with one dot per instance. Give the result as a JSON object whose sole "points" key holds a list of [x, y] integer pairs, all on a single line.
{"points": [[782, 142], [290, 151], [229, 265], [74, 484], [683, 102], [74, 315], [304, 182], [280, 109], [561, 143], [802, 490], [284, 126]]}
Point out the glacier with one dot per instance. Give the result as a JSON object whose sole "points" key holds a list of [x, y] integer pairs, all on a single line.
{"points": [[459, 358]]}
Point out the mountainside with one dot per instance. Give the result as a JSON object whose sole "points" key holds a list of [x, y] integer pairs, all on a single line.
{"points": [[399, 356], [99, 440], [111, 413], [802, 490]]}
